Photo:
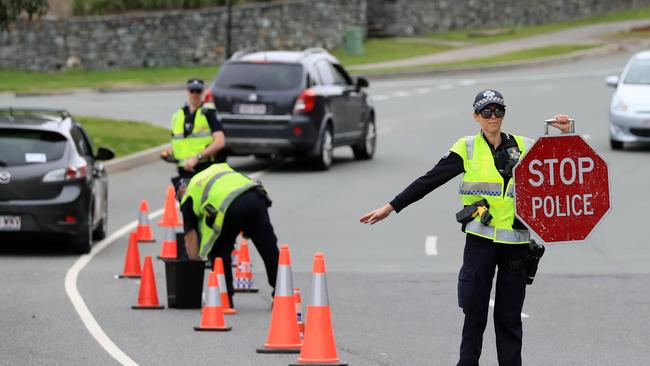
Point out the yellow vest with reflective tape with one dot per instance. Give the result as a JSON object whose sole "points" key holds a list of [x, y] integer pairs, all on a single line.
{"points": [[201, 136], [218, 186], [482, 180]]}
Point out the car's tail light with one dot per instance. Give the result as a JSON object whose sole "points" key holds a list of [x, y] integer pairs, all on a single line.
{"points": [[70, 173], [305, 102], [208, 97]]}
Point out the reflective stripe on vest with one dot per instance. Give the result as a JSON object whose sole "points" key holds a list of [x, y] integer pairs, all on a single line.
{"points": [[480, 188], [498, 235]]}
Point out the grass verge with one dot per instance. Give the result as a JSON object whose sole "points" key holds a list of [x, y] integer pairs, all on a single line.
{"points": [[124, 137], [387, 49], [27, 81], [528, 54], [516, 32]]}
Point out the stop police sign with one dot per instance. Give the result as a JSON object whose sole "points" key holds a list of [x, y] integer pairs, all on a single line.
{"points": [[561, 188]]}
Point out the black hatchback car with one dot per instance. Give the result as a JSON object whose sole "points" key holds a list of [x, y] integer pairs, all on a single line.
{"points": [[290, 103], [51, 182]]}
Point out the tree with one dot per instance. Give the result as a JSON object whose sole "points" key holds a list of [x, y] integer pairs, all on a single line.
{"points": [[11, 9]]}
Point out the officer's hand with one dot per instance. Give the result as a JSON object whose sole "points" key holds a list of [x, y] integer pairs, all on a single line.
{"points": [[190, 163], [562, 123], [377, 215]]}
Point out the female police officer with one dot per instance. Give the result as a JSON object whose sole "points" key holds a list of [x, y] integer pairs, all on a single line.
{"points": [[486, 161]]}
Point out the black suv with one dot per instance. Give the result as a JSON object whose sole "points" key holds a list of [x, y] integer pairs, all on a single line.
{"points": [[289, 103], [51, 183]]}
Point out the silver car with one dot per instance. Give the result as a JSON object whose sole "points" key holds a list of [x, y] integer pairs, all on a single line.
{"points": [[629, 113]]}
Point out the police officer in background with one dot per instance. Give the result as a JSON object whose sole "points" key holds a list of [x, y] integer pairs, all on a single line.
{"points": [[219, 203], [486, 161], [197, 133]]}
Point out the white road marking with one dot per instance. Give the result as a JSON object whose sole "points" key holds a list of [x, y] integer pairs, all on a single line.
{"points": [[379, 98], [384, 130], [466, 82], [523, 315], [445, 86], [422, 90], [431, 245], [401, 94], [78, 302]]}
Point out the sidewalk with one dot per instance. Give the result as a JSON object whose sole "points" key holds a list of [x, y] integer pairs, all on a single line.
{"points": [[589, 34]]}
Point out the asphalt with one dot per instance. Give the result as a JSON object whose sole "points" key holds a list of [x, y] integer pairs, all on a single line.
{"points": [[392, 303]]}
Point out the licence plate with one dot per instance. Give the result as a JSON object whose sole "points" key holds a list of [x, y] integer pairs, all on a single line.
{"points": [[9, 223], [252, 109]]}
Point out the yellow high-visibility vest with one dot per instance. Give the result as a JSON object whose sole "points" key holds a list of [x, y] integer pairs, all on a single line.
{"points": [[483, 181], [187, 146], [218, 186]]}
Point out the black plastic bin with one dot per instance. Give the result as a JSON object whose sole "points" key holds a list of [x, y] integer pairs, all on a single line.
{"points": [[184, 283]]}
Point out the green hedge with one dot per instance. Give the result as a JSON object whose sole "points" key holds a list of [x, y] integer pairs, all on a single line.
{"points": [[97, 7]]}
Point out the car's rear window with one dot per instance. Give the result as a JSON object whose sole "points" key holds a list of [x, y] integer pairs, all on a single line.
{"points": [[260, 76], [638, 73], [21, 147]]}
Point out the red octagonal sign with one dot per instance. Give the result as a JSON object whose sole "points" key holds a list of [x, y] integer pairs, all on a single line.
{"points": [[561, 188]]}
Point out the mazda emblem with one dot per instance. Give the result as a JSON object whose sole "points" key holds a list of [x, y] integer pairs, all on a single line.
{"points": [[5, 177]]}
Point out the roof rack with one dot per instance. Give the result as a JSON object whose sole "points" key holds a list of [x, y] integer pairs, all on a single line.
{"points": [[242, 52], [311, 50], [11, 111]]}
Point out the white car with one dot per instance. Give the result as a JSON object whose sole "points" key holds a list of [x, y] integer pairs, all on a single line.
{"points": [[629, 113]]}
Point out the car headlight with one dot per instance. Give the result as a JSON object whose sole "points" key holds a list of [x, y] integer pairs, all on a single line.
{"points": [[620, 106]]}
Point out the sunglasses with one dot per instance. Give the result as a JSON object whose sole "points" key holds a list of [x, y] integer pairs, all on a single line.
{"points": [[196, 91], [487, 113]]}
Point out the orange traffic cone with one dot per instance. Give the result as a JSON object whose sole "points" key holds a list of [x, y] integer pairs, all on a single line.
{"points": [[298, 299], [212, 318], [319, 346], [144, 226], [169, 247], [148, 295], [244, 276], [132, 259], [284, 334], [170, 214], [223, 290]]}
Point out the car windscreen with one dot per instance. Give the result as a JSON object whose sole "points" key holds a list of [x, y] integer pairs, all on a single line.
{"points": [[260, 76], [22, 147], [638, 73]]}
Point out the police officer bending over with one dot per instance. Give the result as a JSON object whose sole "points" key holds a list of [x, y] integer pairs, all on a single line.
{"points": [[217, 204], [495, 238], [197, 133]]}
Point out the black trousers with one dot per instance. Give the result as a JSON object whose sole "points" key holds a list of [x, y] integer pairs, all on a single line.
{"points": [[480, 258], [247, 213]]}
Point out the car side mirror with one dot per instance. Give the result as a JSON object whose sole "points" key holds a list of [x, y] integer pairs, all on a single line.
{"points": [[362, 83], [104, 153], [612, 81]]}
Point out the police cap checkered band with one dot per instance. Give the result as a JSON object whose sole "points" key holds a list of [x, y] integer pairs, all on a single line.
{"points": [[487, 97], [194, 84]]}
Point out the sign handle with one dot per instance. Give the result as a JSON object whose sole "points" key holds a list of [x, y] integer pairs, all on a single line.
{"points": [[549, 121]]}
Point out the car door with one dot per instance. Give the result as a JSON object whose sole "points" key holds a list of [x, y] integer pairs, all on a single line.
{"points": [[95, 169], [354, 102], [334, 97]]}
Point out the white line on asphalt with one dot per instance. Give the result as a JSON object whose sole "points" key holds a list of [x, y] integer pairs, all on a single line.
{"points": [[423, 90], [431, 245], [401, 94], [382, 131], [445, 86], [80, 305], [523, 315], [466, 82], [379, 98]]}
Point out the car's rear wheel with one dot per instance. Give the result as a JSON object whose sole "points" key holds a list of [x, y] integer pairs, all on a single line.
{"points": [[82, 244], [100, 231], [324, 157], [616, 145], [365, 149]]}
